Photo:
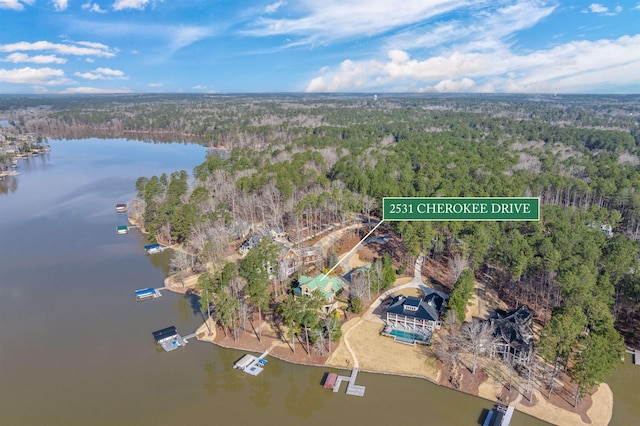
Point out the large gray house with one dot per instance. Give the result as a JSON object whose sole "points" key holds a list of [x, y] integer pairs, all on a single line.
{"points": [[411, 319]]}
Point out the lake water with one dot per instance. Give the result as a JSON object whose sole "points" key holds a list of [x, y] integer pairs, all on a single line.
{"points": [[76, 348]]}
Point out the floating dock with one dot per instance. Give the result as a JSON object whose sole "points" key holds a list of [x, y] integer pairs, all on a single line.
{"points": [[352, 388], [148, 293], [121, 208], [252, 365], [169, 338], [122, 229]]}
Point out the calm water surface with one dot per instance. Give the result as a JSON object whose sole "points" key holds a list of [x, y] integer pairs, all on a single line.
{"points": [[76, 349]]}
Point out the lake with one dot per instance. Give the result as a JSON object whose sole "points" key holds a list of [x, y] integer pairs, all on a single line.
{"points": [[76, 348]]}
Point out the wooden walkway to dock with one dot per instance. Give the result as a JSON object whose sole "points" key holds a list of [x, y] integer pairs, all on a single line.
{"points": [[352, 388]]}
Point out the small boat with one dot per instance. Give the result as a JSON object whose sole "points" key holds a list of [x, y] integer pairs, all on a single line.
{"points": [[122, 229], [330, 380], [121, 208]]}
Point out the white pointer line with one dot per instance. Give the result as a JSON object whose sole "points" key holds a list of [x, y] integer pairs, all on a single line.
{"points": [[351, 251]]}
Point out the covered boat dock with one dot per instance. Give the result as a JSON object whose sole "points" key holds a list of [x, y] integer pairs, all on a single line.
{"points": [[333, 381], [169, 338], [148, 293], [155, 248]]}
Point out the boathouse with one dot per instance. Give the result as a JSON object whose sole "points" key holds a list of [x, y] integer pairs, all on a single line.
{"points": [[169, 338], [123, 229]]}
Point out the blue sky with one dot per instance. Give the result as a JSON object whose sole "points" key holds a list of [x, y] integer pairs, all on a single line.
{"points": [[225, 46]]}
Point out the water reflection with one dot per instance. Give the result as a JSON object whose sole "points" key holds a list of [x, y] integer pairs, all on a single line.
{"points": [[303, 400], [625, 384], [8, 184]]}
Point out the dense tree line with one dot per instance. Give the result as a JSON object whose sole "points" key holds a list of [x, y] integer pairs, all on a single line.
{"points": [[305, 161]]}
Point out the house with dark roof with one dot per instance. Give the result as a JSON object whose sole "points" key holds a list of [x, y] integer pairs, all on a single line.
{"points": [[411, 319], [513, 335]]}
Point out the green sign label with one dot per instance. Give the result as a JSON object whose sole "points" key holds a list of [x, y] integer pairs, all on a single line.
{"points": [[465, 208]]}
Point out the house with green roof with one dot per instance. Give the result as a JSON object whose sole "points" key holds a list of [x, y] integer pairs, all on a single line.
{"points": [[326, 285]]}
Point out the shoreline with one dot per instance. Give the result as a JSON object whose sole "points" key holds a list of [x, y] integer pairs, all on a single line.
{"points": [[599, 412], [600, 404]]}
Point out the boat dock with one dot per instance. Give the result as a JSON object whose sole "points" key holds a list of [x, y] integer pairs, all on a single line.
{"points": [[123, 229], [148, 293], [155, 248], [499, 416], [252, 365], [352, 388], [169, 338]]}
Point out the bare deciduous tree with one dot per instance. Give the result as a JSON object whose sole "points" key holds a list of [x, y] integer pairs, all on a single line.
{"points": [[476, 337], [458, 265], [181, 262]]}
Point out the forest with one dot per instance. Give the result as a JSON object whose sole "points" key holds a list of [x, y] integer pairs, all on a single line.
{"points": [[301, 162]]}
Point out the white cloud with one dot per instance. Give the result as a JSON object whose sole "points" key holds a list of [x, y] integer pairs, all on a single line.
{"points": [[272, 8], [79, 49], [463, 85], [481, 31], [102, 74], [603, 10], [203, 89], [60, 5], [38, 59], [176, 36], [598, 8], [28, 75], [15, 4], [130, 4], [93, 7], [185, 36], [92, 91], [579, 66], [93, 45], [154, 85], [335, 19], [90, 60]]}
